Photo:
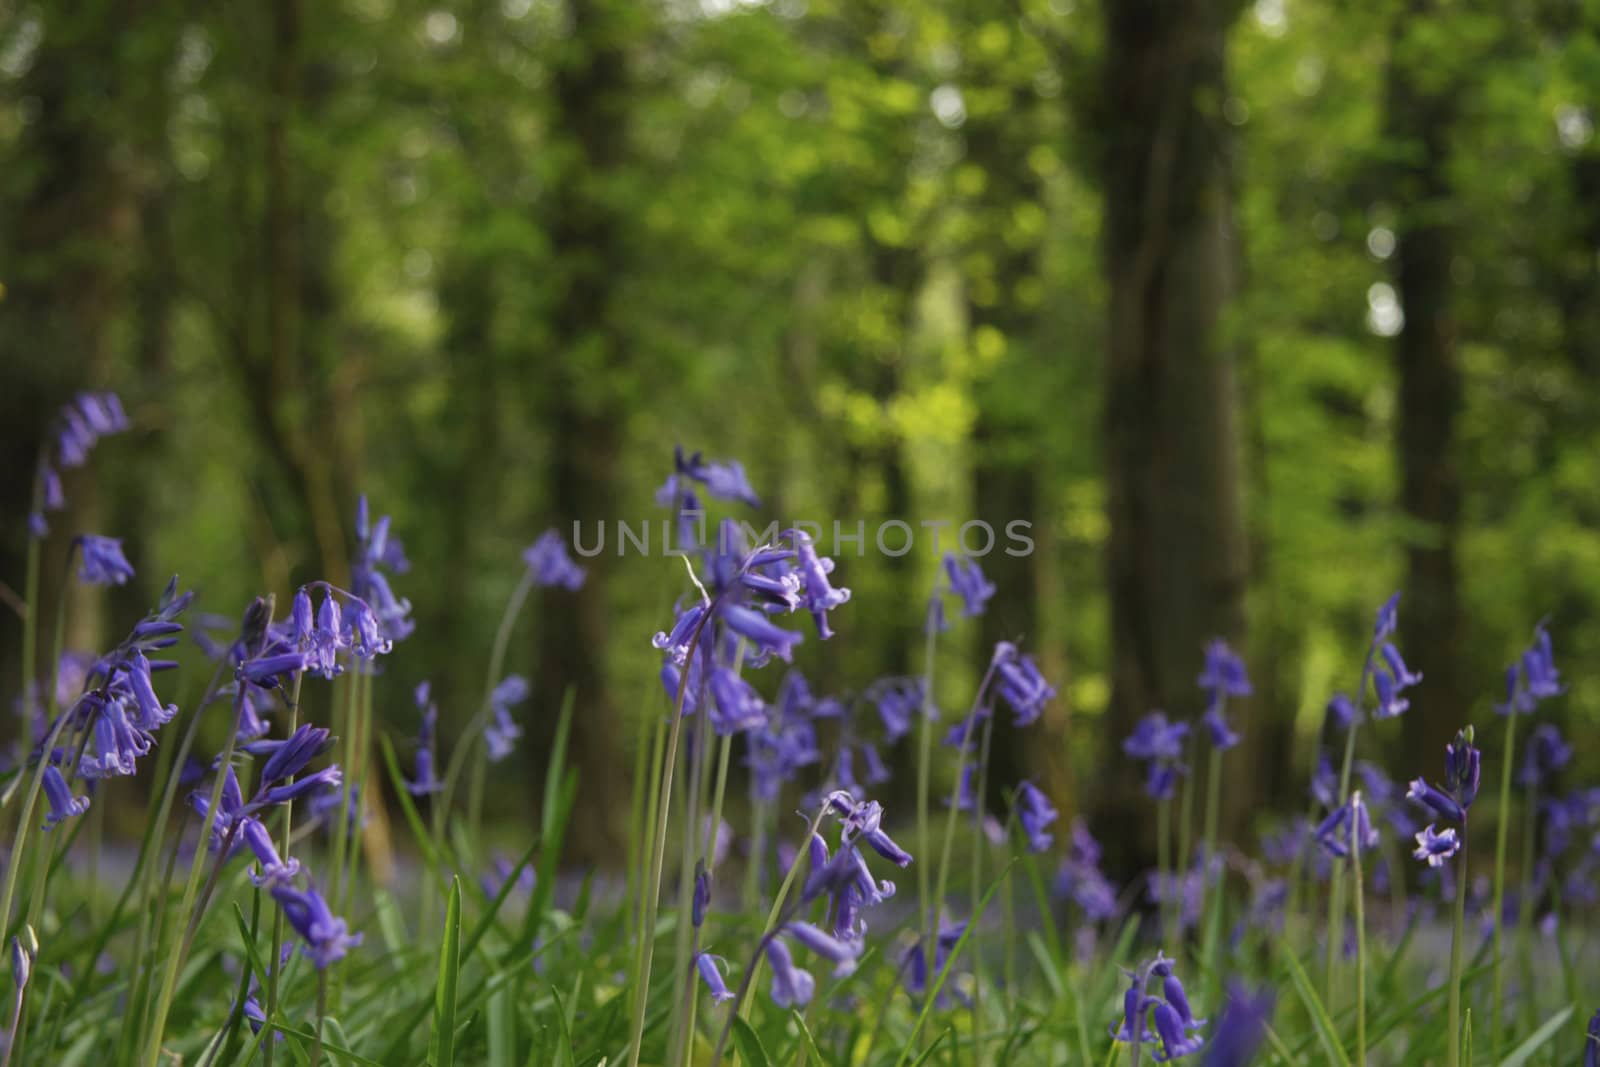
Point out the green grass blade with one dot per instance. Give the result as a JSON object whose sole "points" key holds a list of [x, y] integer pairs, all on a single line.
{"points": [[1319, 1014], [749, 1045], [443, 1045], [1536, 1040], [922, 1059], [808, 1044]]}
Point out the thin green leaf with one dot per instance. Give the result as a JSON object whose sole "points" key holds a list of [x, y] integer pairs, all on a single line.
{"points": [[442, 1052], [1319, 1014], [749, 1045], [1536, 1040]]}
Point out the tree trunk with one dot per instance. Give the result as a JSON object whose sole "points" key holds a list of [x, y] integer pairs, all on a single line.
{"points": [[1419, 122], [1176, 555], [587, 347]]}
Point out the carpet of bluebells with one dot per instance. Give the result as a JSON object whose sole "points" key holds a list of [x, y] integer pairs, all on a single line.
{"points": [[1435, 914]]}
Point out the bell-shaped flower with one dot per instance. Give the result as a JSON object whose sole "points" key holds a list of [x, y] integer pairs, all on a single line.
{"points": [[326, 937], [1436, 848], [792, 986], [710, 970], [1036, 813], [966, 581], [550, 565], [101, 562], [63, 805]]}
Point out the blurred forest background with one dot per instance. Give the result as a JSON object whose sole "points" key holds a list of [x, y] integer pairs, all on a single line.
{"points": [[1257, 312]]}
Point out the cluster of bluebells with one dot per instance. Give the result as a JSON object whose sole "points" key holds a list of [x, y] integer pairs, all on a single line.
{"points": [[1224, 676], [844, 881], [426, 780], [962, 578], [377, 555], [77, 429], [118, 713], [1160, 744], [1533, 678], [550, 565], [1390, 679], [1080, 879], [1167, 1012], [501, 733], [724, 480], [1462, 774]]}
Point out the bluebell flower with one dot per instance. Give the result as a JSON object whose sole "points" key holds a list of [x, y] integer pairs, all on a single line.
{"points": [[1325, 783], [765, 636], [723, 480], [735, 705], [426, 781], [1591, 1045], [702, 894], [378, 552], [1341, 711], [1154, 738], [289, 757], [1224, 673], [63, 805], [101, 561], [78, 428], [550, 564], [1463, 768], [792, 987], [116, 743], [1401, 675], [153, 714], [1175, 1043], [1223, 736], [1388, 619], [326, 937], [1347, 826], [1243, 1028], [898, 701], [21, 963], [1021, 684], [1435, 800], [966, 581], [327, 780], [1036, 813], [273, 868], [1435, 848], [914, 962], [1533, 678], [711, 974], [274, 670], [842, 954], [1161, 781], [1390, 703], [501, 734], [877, 772], [1547, 753], [819, 594], [966, 793], [863, 820]]}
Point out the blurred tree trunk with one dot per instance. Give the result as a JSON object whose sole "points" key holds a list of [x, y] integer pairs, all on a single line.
{"points": [[1419, 120], [69, 216], [1176, 556], [588, 350], [1001, 269]]}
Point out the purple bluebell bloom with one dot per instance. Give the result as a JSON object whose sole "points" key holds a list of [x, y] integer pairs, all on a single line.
{"points": [[550, 564], [1401, 674], [1436, 848], [78, 428], [101, 561], [1224, 673], [1390, 703], [724, 480], [116, 742], [1463, 768], [501, 734], [898, 700], [735, 705], [710, 970], [1243, 1028], [1036, 813], [1341, 711], [1223, 736], [1388, 619], [1591, 1046], [1325, 783], [426, 781], [289, 757], [383, 617], [877, 773], [966, 793], [1533, 678], [1547, 753], [327, 937], [702, 894], [1154, 738], [273, 868], [765, 637], [328, 779], [819, 594], [792, 987], [1347, 826], [1162, 779], [842, 954], [1175, 1043], [63, 805], [966, 581], [1435, 800], [1021, 684]]}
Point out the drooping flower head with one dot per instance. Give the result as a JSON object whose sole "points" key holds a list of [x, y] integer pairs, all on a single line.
{"points": [[1224, 673], [1020, 684], [78, 427], [1547, 753], [1533, 678], [1160, 743], [501, 734], [1036, 813], [724, 480], [426, 781], [101, 562], [710, 968], [1347, 828], [63, 805], [378, 554], [1591, 1046], [1243, 1027], [550, 565], [326, 937], [1168, 1014], [965, 579]]}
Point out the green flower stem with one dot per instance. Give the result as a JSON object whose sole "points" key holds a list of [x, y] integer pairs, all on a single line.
{"points": [[927, 911], [1361, 947], [977, 888], [277, 913], [1457, 938]]}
